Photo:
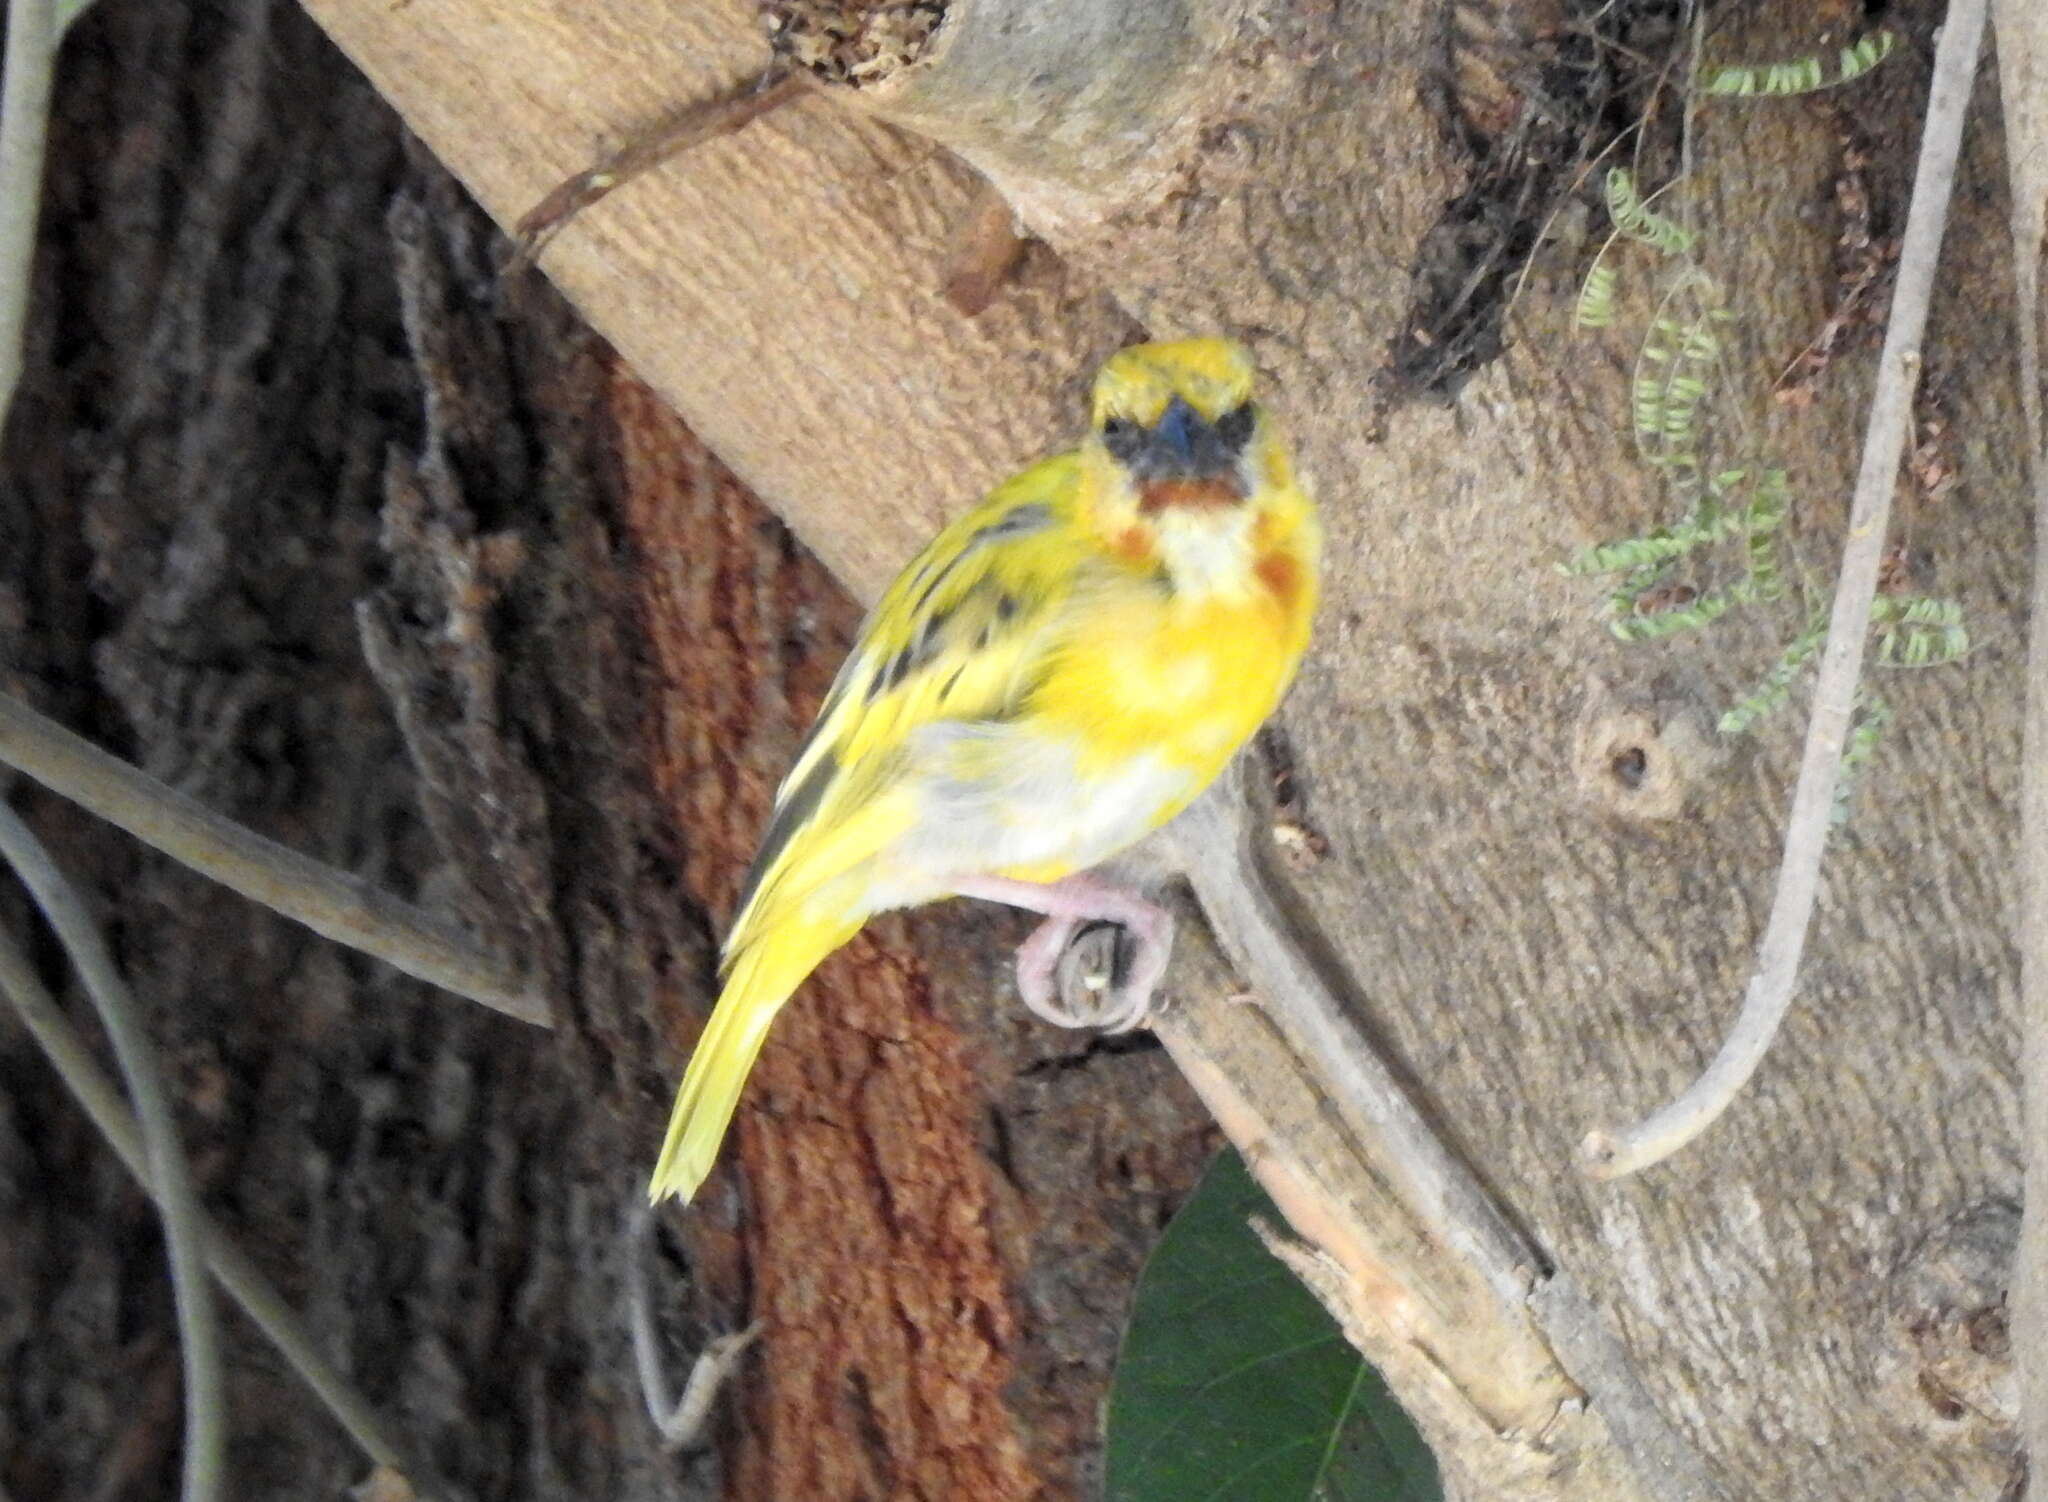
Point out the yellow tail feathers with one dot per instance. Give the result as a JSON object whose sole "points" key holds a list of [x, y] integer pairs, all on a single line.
{"points": [[760, 981]]}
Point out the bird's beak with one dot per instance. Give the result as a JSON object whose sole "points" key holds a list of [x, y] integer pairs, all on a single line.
{"points": [[1184, 446], [1185, 465]]}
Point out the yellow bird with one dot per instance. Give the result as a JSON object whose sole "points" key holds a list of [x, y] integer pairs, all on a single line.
{"points": [[1061, 671]]}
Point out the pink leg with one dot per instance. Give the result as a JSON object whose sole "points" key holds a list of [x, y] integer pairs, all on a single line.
{"points": [[1069, 904], [1038, 959]]}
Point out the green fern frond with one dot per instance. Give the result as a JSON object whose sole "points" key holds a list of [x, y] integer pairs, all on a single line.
{"points": [[1865, 53], [1918, 631], [1915, 610], [1595, 307], [1670, 383], [1648, 554], [1801, 75], [1760, 551], [1767, 508], [1770, 695], [1636, 220], [1761, 519], [1873, 714], [1694, 616], [1652, 550]]}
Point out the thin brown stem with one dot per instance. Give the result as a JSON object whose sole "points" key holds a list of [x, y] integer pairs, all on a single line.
{"points": [[695, 123]]}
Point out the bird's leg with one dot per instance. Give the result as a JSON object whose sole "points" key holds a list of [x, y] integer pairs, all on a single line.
{"points": [[1038, 959], [1068, 905]]}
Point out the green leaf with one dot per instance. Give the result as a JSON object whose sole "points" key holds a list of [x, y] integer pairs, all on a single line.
{"points": [[1234, 1383]]}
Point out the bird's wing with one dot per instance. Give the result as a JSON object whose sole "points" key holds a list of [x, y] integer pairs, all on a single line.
{"points": [[962, 635]]}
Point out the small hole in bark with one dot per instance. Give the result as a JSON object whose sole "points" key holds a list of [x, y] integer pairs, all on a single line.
{"points": [[1642, 752]]}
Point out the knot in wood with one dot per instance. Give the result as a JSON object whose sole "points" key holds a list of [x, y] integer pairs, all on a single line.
{"points": [[1643, 760], [1949, 1324]]}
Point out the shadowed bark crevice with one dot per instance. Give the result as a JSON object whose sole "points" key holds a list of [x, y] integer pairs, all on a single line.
{"points": [[296, 521]]}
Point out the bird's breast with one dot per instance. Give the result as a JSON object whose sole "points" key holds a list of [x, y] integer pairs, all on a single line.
{"points": [[1186, 681]]}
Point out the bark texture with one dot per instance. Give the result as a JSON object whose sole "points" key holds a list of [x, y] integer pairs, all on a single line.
{"points": [[1545, 878], [293, 518], [2022, 37]]}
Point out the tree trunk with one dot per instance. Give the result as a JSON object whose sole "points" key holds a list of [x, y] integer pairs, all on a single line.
{"points": [[1547, 873], [297, 523]]}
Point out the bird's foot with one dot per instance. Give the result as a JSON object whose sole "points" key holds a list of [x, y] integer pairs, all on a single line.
{"points": [[1071, 905]]}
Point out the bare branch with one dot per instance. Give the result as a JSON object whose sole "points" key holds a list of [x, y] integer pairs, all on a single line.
{"points": [[1606, 1154], [72, 1058], [334, 904], [1218, 844], [198, 1322], [1216, 840]]}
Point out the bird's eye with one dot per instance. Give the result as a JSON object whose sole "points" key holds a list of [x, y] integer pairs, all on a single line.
{"points": [[1122, 437], [1235, 427]]}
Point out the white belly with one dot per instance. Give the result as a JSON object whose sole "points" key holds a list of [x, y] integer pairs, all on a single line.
{"points": [[990, 800]]}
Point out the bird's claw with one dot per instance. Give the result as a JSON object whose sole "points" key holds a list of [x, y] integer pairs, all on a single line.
{"points": [[1111, 989]]}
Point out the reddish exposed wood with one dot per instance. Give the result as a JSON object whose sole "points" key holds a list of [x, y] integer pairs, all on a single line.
{"points": [[868, 1241]]}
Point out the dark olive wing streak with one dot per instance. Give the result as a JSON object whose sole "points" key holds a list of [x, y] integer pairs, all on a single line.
{"points": [[956, 637]]}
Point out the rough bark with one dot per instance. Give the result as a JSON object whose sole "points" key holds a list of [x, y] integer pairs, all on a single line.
{"points": [[2022, 35], [1544, 892], [293, 519]]}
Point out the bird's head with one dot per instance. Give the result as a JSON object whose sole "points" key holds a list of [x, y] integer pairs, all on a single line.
{"points": [[1182, 462]]}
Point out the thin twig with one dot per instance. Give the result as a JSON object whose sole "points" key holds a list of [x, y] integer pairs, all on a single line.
{"points": [[695, 123], [198, 1322], [682, 1422], [332, 903], [1607, 1154], [25, 83], [70, 1056]]}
